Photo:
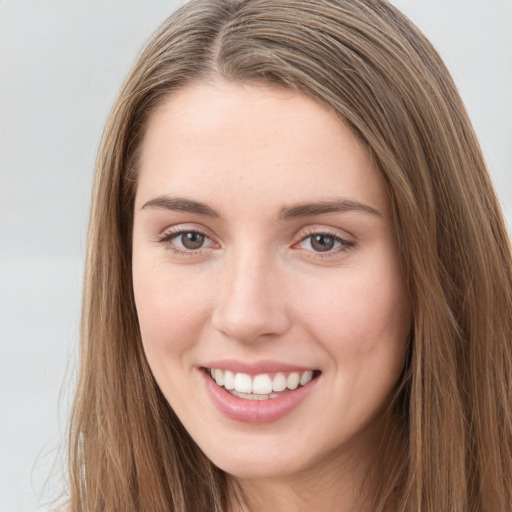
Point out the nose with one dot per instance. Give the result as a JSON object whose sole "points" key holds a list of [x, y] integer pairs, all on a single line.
{"points": [[252, 302]]}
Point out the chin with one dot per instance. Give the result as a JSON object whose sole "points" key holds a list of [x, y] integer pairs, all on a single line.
{"points": [[258, 468]]}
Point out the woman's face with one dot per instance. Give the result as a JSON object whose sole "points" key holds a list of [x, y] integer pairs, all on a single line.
{"points": [[264, 254]]}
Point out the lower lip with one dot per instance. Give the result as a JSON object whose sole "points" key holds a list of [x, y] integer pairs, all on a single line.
{"points": [[256, 411]]}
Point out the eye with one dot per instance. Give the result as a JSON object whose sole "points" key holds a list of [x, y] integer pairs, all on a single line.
{"points": [[185, 240], [324, 243]]}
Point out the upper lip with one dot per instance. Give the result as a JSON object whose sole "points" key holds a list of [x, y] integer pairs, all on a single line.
{"points": [[255, 367]]}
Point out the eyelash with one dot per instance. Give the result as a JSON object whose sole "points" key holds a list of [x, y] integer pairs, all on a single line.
{"points": [[344, 244], [167, 238]]}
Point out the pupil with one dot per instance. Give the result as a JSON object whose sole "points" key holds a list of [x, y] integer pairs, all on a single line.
{"points": [[192, 240], [322, 243]]}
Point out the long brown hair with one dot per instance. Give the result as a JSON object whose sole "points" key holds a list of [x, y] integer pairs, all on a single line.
{"points": [[366, 62]]}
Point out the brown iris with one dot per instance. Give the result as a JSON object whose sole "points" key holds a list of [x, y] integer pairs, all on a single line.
{"points": [[192, 240], [322, 243]]}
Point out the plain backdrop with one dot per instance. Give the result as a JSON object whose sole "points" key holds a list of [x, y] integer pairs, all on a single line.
{"points": [[61, 63]]}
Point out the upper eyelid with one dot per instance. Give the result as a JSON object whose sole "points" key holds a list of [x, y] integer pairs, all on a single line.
{"points": [[184, 228], [326, 233], [326, 230], [171, 235]]}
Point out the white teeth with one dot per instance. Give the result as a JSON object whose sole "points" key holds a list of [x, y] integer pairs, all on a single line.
{"points": [[261, 385], [304, 378], [279, 382], [219, 377], [243, 383], [293, 380], [229, 380]]}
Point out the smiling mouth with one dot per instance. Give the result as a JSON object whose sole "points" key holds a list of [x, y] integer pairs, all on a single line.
{"points": [[263, 386]]}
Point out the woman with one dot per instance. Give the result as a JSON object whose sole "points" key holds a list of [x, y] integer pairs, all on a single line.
{"points": [[298, 282]]}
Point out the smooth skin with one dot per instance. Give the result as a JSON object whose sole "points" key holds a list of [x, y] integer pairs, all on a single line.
{"points": [[228, 263]]}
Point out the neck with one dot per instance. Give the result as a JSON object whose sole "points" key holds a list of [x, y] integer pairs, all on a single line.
{"points": [[296, 496]]}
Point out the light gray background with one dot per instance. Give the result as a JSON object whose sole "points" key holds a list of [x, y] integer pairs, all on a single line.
{"points": [[61, 63]]}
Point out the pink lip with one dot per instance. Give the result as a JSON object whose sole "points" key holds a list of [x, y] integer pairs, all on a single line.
{"points": [[255, 412], [255, 367]]}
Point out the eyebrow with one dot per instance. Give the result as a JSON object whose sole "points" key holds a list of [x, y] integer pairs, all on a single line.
{"points": [[182, 205], [322, 207], [292, 212]]}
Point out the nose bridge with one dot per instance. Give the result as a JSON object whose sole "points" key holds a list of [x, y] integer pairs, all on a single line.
{"points": [[252, 301]]}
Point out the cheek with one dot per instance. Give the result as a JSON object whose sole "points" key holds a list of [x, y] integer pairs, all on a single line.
{"points": [[363, 321], [171, 310]]}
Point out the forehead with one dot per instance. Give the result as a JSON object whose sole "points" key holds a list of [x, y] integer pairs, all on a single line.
{"points": [[221, 138]]}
